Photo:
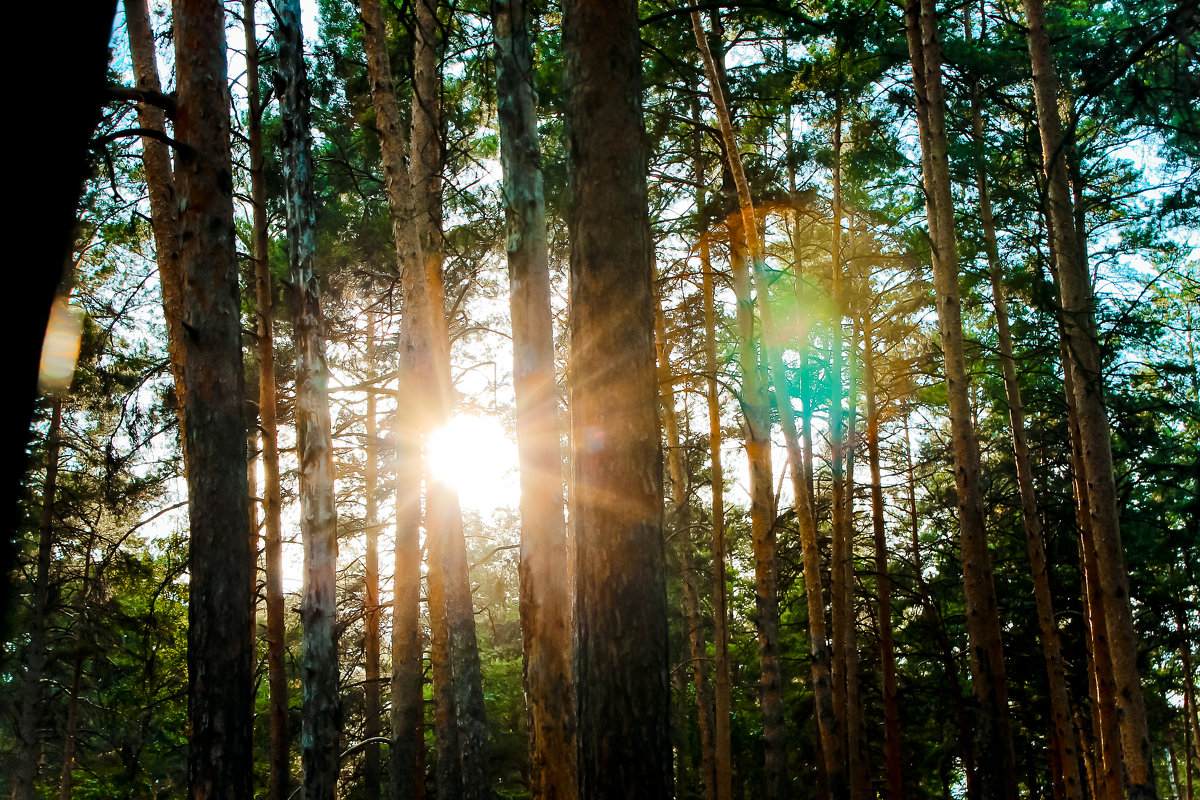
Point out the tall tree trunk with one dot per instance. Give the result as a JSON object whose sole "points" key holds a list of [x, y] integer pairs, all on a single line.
{"points": [[458, 683], [545, 598], [997, 778], [220, 651], [758, 439], [407, 763], [1078, 316], [318, 518], [887, 646], [681, 523], [35, 660], [722, 734], [617, 513], [372, 727], [164, 207], [279, 753], [66, 780]]}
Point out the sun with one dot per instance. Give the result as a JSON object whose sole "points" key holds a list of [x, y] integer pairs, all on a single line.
{"points": [[473, 454]]}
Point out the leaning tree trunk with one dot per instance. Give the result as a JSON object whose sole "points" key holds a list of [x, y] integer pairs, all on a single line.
{"points": [[1078, 317], [997, 778], [160, 183], [220, 650], [545, 600], [279, 752], [318, 518], [617, 507], [758, 446]]}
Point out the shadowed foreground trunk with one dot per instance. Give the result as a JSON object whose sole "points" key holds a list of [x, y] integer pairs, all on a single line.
{"points": [[617, 512]]}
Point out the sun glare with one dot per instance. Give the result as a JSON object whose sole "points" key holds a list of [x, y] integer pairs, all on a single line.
{"points": [[473, 454]]}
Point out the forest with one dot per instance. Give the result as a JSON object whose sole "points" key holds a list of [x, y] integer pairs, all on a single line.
{"points": [[608, 399]]}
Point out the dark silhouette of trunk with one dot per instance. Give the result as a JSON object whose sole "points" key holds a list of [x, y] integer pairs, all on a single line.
{"points": [[279, 752], [1084, 364], [744, 242], [220, 650], [318, 518], [937, 626], [545, 598], [372, 727], [617, 507], [164, 208], [407, 762], [997, 777], [883, 582], [681, 525], [35, 660]]}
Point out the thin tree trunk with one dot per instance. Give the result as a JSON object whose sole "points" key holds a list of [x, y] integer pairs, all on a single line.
{"points": [[458, 684], [621, 657], [372, 727], [66, 780], [681, 523], [997, 778], [31, 697], [220, 650], [279, 753], [318, 517], [723, 769], [758, 445], [1063, 732], [1078, 316], [949, 668], [887, 646], [545, 599], [407, 762], [164, 207]]}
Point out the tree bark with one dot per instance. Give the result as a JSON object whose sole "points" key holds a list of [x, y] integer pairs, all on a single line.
{"points": [[220, 651], [617, 513], [407, 762], [997, 776], [320, 731], [893, 754], [1078, 317], [758, 433], [681, 524], [164, 207], [545, 598], [279, 753]]}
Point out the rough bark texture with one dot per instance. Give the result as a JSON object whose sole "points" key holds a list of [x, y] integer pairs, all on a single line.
{"points": [[319, 716], [407, 762], [681, 526], [997, 778], [745, 242], [545, 598], [617, 511], [279, 753], [1078, 317], [164, 208], [887, 647], [35, 662], [220, 651]]}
